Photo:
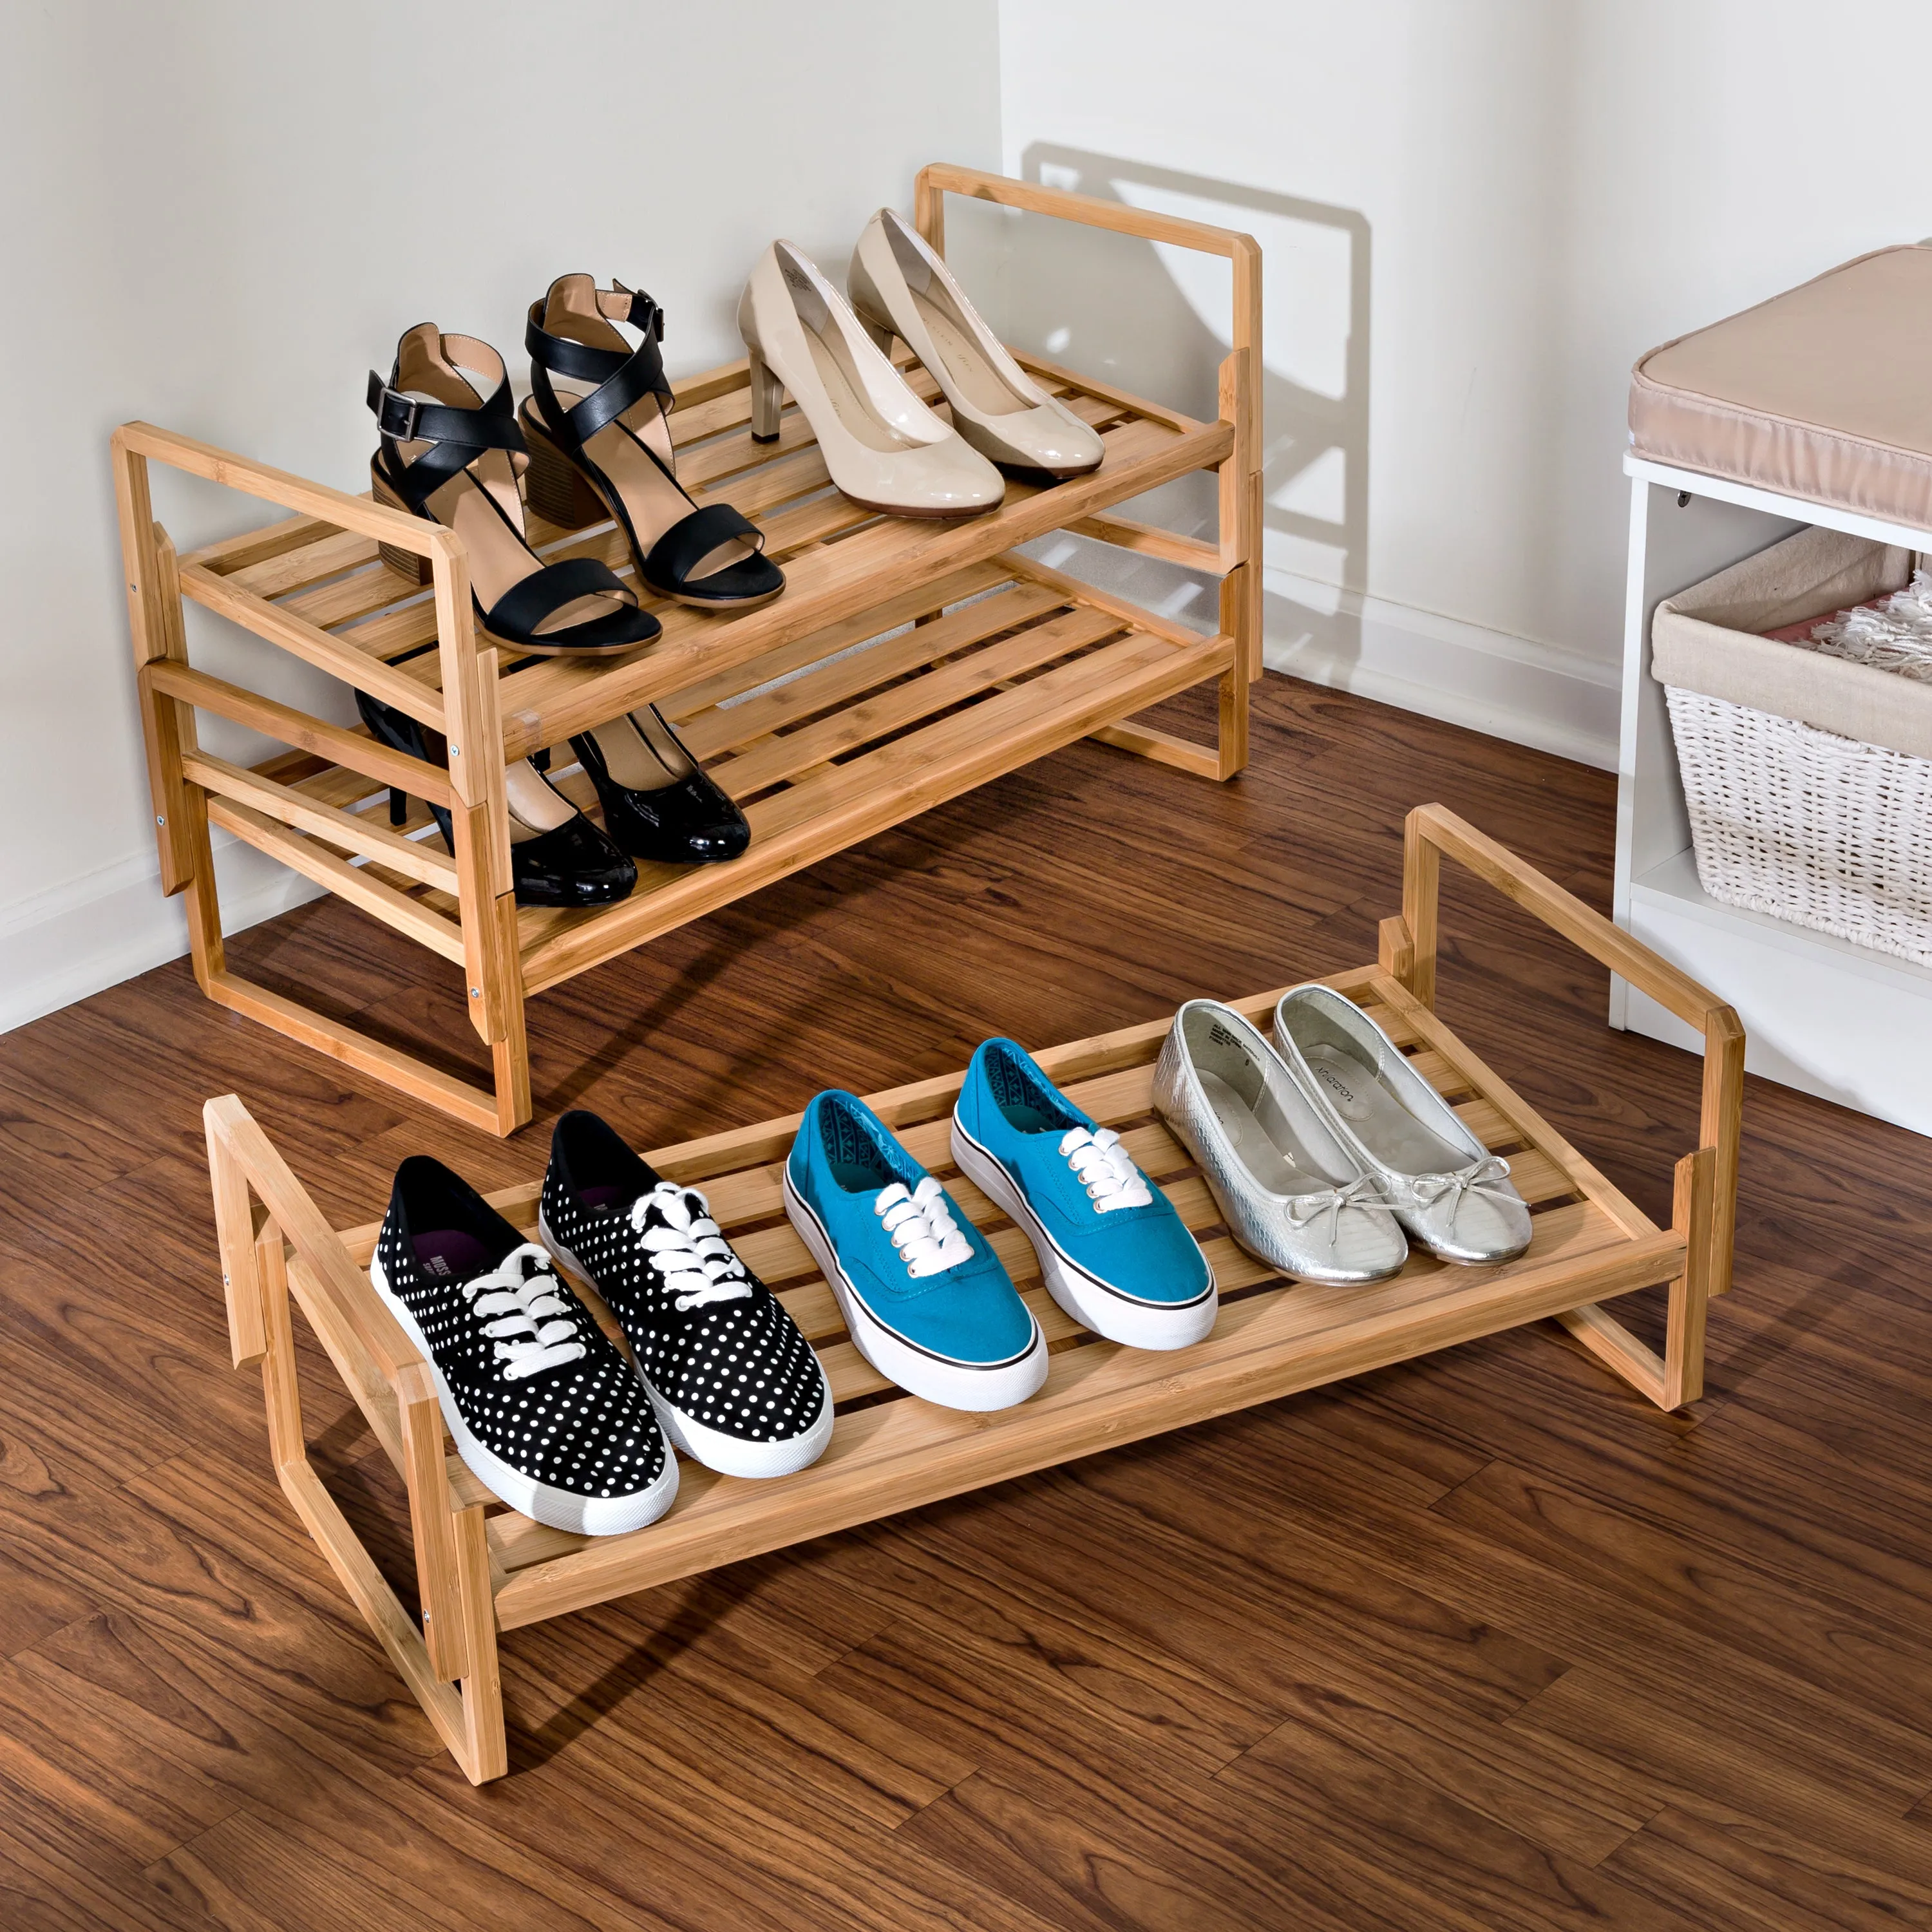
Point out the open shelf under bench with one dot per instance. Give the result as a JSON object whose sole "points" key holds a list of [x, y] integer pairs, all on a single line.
{"points": [[483, 1568], [823, 724]]}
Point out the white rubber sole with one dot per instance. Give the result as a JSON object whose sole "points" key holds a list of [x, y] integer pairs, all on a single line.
{"points": [[936, 1379], [1091, 1303], [557, 1509], [729, 1455]]}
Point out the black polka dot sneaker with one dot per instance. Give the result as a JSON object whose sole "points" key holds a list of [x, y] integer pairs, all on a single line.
{"points": [[544, 1409], [737, 1387]]}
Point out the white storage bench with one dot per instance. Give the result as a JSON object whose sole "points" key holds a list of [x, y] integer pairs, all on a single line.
{"points": [[1774, 845]]}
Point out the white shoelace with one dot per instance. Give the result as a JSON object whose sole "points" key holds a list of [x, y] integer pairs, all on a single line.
{"points": [[692, 1254], [534, 1329], [927, 1237], [1102, 1167]]}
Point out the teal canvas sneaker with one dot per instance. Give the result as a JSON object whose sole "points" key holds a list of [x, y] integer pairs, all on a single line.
{"points": [[926, 1301], [1112, 1251]]}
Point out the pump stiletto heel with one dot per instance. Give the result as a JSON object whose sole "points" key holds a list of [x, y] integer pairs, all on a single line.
{"points": [[598, 423], [451, 453], [767, 399], [558, 857]]}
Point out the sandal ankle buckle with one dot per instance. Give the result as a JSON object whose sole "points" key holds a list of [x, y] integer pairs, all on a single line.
{"points": [[401, 427]]}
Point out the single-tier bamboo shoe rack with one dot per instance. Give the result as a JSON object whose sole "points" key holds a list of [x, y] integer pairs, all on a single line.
{"points": [[482, 1569], [1003, 661]]}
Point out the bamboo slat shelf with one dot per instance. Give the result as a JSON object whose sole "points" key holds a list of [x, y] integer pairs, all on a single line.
{"points": [[1002, 661], [483, 1569]]}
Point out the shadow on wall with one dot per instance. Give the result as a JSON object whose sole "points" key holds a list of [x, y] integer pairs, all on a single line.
{"points": [[1154, 318]]}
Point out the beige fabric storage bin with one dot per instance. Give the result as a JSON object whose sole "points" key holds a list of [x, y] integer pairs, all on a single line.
{"points": [[1808, 777]]}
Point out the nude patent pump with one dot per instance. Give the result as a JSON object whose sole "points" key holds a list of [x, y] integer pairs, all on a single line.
{"points": [[899, 287], [882, 446]]}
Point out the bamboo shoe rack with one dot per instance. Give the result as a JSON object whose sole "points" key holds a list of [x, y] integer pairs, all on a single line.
{"points": [[1001, 661], [482, 1569]]}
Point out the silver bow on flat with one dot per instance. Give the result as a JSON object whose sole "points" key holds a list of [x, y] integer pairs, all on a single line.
{"points": [[1480, 1177], [1362, 1192]]}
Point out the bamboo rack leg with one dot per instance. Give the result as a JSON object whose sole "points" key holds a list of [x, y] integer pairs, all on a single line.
{"points": [[492, 966], [1231, 736], [1689, 1293], [287, 1443], [235, 1232], [459, 1635], [426, 1469], [486, 1746], [1721, 1128], [1421, 883]]}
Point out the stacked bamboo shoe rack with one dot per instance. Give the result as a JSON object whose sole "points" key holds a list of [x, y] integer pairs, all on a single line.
{"points": [[1004, 661], [482, 1569]]}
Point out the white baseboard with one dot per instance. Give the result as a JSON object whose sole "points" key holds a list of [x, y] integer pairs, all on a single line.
{"points": [[90, 933], [1546, 696]]}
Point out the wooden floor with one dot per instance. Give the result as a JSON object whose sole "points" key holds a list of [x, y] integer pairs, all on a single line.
{"points": [[1485, 1642]]}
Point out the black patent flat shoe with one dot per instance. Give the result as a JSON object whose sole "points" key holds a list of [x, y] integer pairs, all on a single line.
{"points": [[657, 801], [452, 454], [597, 425], [558, 857]]}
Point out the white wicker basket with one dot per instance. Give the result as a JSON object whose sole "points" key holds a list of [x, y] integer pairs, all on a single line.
{"points": [[1825, 831]]}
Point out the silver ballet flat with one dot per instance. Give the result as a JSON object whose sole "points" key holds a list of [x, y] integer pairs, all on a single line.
{"points": [[900, 287], [1453, 1194], [1288, 1189]]}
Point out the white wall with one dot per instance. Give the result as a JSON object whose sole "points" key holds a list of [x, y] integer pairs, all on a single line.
{"points": [[218, 215], [1475, 214]]}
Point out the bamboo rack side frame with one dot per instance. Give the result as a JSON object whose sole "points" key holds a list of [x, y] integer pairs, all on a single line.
{"points": [[462, 906], [479, 1575]]}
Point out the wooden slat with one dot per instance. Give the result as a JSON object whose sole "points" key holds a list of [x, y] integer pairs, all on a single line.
{"points": [[685, 705], [798, 751], [360, 514], [289, 726], [247, 548], [314, 861], [1163, 748], [359, 833], [1521, 1119], [355, 1048], [333, 553], [831, 810], [1125, 533], [840, 580], [715, 731], [902, 1454]]}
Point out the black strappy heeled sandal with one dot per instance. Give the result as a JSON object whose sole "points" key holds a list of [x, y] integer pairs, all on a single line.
{"points": [[451, 453], [607, 452]]}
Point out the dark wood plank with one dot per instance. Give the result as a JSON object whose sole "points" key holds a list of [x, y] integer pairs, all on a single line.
{"points": [[1481, 1641]]}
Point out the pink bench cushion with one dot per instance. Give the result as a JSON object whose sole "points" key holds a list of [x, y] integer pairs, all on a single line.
{"points": [[1824, 393]]}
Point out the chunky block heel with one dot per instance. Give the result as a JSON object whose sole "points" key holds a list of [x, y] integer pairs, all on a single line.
{"points": [[597, 424], [399, 805], [411, 567], [555, 487], [767, 400]]}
